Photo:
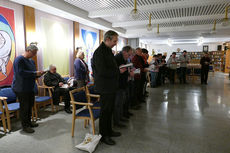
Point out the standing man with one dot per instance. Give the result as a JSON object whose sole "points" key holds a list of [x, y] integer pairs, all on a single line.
{"points": [[184, 60], [121, 102], [106, 75], [24, 85], [172, 64], [205, 61], [139, 79]]}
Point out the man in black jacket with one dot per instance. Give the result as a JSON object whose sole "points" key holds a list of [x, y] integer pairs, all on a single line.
{"points": [[106, 74], [121, 102], [205, 61], [52, 78]]}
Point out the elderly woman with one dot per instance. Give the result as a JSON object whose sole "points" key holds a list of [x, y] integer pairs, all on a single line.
{"points": [[24, 84], [81, 72]]}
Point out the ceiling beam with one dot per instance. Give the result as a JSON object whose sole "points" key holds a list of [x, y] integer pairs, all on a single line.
{"points": [[142, 32], [168, 20], [154, 7]]}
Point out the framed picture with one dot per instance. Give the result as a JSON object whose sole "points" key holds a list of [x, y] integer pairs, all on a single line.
{"points": [[205, 48]]}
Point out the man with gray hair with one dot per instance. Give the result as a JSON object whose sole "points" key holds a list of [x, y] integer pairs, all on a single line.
{"points": [[24, 85], [106, 75], [52, 78]]}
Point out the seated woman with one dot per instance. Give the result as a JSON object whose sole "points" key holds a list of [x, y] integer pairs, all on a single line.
{"points": [[52, 78], [81, 72]]}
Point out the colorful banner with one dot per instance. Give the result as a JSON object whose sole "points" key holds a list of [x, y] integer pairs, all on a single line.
{"points": [[7, 45], [89, 38]]}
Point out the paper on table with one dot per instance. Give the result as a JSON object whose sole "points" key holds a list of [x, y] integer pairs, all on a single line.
{"points": [[126, 65]]}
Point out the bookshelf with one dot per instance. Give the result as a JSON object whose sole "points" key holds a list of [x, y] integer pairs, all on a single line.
{"points": [[218, 60], [195, 57]]}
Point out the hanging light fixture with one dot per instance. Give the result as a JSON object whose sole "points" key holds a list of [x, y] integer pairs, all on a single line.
{"points": [[135, 12], [158, 29], [214, 28], [226, 21], [149, 26]]}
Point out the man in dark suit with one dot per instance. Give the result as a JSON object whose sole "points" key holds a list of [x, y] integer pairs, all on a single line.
{"points": [[139, 63], [52, 78], [205, 61], [121, 102], [106, 75]]}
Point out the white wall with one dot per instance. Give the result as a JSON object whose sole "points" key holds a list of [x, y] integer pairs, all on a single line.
{"points": [[134, 42], [188, 47], [42, 42]]}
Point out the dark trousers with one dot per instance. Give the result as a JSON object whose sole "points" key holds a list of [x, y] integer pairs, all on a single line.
{"points": [[131, 97], [158, 77], [183, 71], [118, 105], [138, 91], [26, 101], [107, 105], [154, 79], [172, 73], [126, 102], [204, 75], [61, 92]]}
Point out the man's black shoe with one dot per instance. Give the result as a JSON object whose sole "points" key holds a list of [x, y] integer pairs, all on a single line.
{"points": [[115, 134], [107, 140], [120, 125], [28, 130], [68, 111], [33, 124]]}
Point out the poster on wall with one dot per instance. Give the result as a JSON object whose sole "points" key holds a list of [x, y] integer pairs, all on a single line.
{"points": [[7, 45], [89, 45]]}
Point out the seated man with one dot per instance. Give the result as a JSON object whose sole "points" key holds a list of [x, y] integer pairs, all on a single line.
{"points": [[52, 78]]}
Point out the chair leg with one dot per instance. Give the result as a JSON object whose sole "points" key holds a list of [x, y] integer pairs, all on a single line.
{"points": [[3, 122], [88, 122], [36, 112], [32, 113], [17, 114], [8, 120], [85, 123], [56, 107], [73, 125], [52, 105], [93, 126]]}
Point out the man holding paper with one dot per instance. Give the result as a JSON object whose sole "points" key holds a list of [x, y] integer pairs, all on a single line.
{"points": [[52, 78], [121, 106], [106, 75], [184, 60]]}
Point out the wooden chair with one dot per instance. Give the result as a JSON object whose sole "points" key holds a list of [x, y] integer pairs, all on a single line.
{"points": [[42, 100], [11, 106], [92, 97], [2, 115], [78, 100]]}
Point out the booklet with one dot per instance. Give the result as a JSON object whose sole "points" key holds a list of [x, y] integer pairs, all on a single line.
{"points": [[65, 86], [137, 71], [126, 65]]}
